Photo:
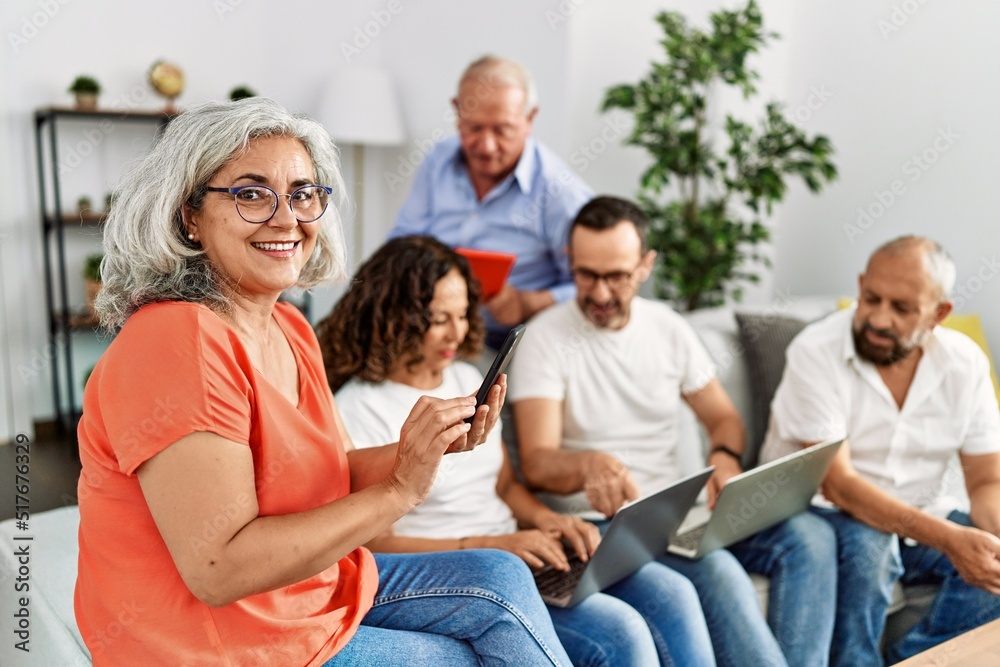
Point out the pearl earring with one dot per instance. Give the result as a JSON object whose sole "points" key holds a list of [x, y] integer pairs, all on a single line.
{"points": [[190, 237]]}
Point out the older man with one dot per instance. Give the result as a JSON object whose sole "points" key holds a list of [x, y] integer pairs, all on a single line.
{"points": [[909, 396], [494, 187], [597, 387]]}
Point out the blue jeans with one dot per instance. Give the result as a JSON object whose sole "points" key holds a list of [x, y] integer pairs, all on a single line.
{"points": [[669, 604], [475, 607], [602, 631], [739, 632], [799, 556], [870, 564]]}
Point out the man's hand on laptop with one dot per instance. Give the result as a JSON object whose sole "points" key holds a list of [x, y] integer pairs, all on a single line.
{"points": [[607, 483], [725, 467], [582, 535]]}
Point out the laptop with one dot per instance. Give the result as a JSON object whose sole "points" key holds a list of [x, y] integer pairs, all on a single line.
{"points": [[638, 533], [489, 268], [755, 500]]}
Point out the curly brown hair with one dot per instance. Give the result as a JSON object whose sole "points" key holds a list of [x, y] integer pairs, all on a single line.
{"points": [[386, 311]]}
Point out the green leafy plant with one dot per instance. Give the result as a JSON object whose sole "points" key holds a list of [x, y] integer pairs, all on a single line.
{"points": [[85, 84], [709, 228], [241, 92], [92, 267]]}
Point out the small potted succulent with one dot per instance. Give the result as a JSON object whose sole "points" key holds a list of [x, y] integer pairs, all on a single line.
{"points": [[84, 205], [86, 89], [92, 278], [241, 93]]}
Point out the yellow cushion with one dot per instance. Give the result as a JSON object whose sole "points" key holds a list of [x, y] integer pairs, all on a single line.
{"points": [[967, 323], [972, 327]]}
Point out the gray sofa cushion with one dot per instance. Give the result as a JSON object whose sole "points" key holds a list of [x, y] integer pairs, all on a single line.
{"points": [[763, 338]]}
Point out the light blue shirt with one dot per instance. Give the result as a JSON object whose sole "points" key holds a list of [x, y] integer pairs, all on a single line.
{"points": [[528, 214]]}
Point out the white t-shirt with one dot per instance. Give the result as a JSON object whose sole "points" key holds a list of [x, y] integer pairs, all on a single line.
{"points": [[463, 499], [620, 389], [827, 391]]}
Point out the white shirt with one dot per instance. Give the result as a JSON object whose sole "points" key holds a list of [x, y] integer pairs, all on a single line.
{"points": [[620, 388], [827, 391], [463, 499]]}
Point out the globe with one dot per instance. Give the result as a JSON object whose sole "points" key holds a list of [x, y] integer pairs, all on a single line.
{"points": [[167, 80]]}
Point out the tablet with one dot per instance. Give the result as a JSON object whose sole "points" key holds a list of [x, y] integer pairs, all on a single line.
{"points": [[489, 268]]}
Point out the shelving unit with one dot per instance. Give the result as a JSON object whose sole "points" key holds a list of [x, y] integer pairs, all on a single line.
{"points": [[62, 322]]}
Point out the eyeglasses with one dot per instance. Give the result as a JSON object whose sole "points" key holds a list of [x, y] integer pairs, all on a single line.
{"points": [[616, 280], [258, 203]]}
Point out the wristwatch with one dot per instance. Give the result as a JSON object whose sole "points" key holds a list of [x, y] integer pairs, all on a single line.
{"points": [[726, 450]]}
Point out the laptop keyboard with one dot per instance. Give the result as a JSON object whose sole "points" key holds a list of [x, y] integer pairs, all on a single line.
{"points": [[557, 584], [689, 539]]}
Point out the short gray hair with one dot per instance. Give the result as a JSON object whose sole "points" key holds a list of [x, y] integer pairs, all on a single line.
{"points": [[147, 256], [495, 71], [940, 266]]}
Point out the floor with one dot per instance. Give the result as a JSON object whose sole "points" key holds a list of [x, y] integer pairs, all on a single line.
{"points": [[53, 470]]}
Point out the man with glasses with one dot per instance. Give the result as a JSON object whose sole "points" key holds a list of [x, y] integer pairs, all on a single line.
{"points": [[596, 388], [494, 187]]}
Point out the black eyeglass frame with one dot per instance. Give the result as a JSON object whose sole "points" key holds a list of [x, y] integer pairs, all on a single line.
{"points": [[274, 209], [615, 280]]}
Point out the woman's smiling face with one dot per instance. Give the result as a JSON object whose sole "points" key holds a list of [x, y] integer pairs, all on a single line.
{"points": [[258, 259]]}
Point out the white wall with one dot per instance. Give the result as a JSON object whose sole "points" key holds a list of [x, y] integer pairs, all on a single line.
{"points": [[890, 96]]}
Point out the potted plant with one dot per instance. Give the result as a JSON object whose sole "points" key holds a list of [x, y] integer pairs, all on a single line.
{"points": [[708, 229], [92, 279], [86, 89], [84, 204], [241, 93]]}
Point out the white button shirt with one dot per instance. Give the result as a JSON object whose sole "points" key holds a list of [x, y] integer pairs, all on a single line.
{"points": [[827, 391]]}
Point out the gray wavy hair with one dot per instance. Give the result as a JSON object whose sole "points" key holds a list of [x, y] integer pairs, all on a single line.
{"points": [[147, 256]]}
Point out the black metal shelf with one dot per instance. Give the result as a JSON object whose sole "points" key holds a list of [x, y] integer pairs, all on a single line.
{"points": [[55, 221]]}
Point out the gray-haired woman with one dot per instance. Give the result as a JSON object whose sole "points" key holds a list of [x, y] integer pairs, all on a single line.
{"points": [[222, 503]]}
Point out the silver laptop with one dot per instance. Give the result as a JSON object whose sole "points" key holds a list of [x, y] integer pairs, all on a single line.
{"points": [[638, 533], [755, 500]]}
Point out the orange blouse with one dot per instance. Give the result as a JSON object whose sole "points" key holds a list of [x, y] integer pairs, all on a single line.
{"points": [[174, 369]]}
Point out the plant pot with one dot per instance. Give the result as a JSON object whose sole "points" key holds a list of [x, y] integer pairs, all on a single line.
{"points": [[86, 102], [93, 287]]}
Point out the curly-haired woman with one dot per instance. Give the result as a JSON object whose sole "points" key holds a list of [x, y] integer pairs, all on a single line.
{"points": [[399, 333]]}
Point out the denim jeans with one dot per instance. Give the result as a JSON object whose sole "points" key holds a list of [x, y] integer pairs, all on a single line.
{"points": [[739, 632], [870, 563], [669, 604], [603, 631], [475, 607], [799, 556]]}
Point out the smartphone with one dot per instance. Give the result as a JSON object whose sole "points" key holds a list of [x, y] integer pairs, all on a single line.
{"points": [[499, 365]]}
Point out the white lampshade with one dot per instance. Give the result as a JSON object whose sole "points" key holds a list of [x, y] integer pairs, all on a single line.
{"points": [[360, 106]]}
